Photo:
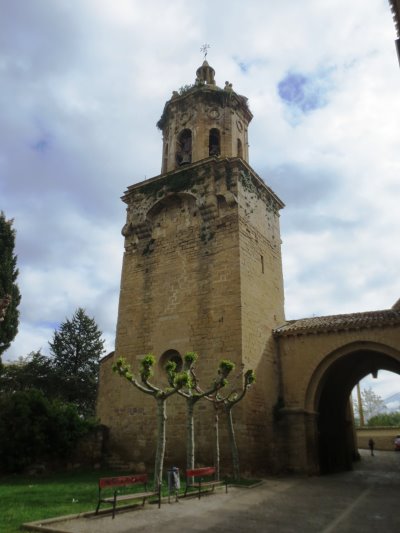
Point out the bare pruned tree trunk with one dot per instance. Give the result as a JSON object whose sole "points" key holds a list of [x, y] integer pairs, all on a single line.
{"points": [[232, 442], [161, 423], [190, 434], [216, 442]]}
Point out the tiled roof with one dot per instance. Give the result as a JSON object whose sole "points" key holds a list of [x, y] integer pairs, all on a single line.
{"points": [[352, 321]]}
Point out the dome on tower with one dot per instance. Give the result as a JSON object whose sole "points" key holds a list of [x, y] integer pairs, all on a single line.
{"points": [[205, 74]]}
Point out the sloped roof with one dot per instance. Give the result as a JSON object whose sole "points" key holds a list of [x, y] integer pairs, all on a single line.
{"points": [[333, 323]]}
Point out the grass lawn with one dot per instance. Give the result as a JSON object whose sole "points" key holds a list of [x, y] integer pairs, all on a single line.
{"points": [[26, 498]]}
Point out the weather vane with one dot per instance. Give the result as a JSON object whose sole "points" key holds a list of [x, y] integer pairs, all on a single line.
{"points": [[204, 49]]}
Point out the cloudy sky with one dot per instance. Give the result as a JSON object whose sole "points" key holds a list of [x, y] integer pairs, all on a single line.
{"points": [[83, 84]]}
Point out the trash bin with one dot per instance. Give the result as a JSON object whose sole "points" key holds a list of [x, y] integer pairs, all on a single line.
{"points": [[174, 482]]}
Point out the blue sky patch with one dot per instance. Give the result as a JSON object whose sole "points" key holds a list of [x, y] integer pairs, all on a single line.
{"points": [[41, 145], [246, 64], [305, 93]]}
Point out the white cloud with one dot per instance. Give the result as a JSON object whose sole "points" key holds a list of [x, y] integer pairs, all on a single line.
{"points": [[82, 90]]}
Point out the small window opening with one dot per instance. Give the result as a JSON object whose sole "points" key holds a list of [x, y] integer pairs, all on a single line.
{"points": [[214, 142], [262, 264], [239, 148], [165, 159], [171, 355], [184, 148]]}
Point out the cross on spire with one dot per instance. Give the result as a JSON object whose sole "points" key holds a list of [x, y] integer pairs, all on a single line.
{"points": [[204, 49]]}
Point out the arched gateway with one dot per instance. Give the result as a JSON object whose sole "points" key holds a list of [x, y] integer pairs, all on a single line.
{"points": [[202, 272], [322, 359]]}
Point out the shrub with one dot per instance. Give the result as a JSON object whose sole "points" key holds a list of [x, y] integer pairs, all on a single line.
{"points": [[34, 429]]}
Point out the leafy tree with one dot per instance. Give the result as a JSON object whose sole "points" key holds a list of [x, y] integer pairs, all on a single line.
{"points": [[9, 291], [372, 403], [385, 419], [34, 428], [193, 394], [76, 349], [177, 380], [35, 371]]}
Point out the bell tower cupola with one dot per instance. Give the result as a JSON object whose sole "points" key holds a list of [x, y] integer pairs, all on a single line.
{"points": [[203, 120]]}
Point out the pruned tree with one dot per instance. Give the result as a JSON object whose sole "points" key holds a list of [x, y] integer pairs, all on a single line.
{"points": [[9, 292], [228, 403], [177, 380], [76, 350], [192, 393]]}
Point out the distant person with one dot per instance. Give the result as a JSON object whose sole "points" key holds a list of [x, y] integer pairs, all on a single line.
{"points": [[371, 445], [397, 443]]}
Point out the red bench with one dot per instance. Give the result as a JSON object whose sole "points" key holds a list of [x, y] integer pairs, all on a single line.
{"points": [[205, 479], [125, 481]]}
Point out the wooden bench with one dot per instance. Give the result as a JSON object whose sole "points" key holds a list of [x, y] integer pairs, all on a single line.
{"points": [[201, 473], [125, 481]]}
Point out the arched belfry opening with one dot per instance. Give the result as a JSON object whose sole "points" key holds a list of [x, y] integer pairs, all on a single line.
{"points": [[183, 154], [239, 149], [336, 446], [214, 142]]}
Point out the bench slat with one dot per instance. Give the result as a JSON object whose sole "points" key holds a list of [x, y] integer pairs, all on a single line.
{"points": [[197, 472], [122, 481], [132, 496]]}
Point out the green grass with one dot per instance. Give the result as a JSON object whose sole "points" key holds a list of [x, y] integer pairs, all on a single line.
{"points": [[26, 498], [30, 498]]}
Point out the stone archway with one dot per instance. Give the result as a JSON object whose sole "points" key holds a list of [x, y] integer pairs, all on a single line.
{"points": [[331, 439]]}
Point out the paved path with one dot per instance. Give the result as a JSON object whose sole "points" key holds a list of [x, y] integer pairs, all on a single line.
{"points": [[364, 500]]}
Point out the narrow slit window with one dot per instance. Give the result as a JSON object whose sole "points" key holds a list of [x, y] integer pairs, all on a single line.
{"points": [[214, 143], [239, 149]]}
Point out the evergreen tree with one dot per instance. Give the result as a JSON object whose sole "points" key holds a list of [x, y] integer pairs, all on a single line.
{"points": [[9, 291], [76, 349]]}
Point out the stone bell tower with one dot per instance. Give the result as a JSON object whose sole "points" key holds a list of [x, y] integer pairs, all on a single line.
{"points": [[201, 272], [203, 123]]}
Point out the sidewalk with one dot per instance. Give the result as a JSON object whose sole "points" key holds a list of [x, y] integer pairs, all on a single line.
{"points": [[364, 500]]}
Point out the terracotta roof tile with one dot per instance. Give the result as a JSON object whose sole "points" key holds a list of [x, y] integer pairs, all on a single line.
{"points": [[352, 321]]}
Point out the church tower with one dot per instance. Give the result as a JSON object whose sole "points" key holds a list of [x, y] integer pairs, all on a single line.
{"points": [[201, 272]]}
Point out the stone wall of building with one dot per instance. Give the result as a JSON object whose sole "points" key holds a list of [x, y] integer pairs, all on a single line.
{"points": [[201, 272], [383, 437]]}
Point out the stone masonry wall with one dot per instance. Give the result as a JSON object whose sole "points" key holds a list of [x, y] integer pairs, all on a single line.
{"points": [[202, 273]]}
